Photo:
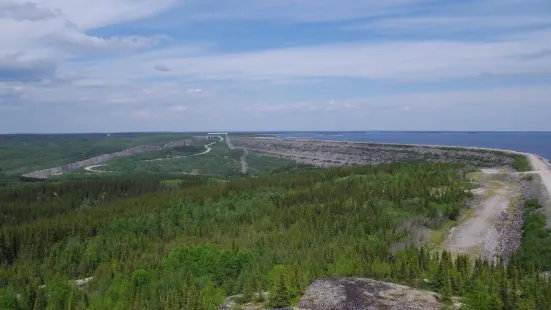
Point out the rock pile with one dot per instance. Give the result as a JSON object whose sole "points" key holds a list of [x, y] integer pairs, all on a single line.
{"points": [[508, 228], [337, 153]]}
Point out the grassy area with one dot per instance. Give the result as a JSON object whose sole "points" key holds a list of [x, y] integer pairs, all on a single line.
{"points": [[20, 154], [220, 160], [437, 237], [536, 239], [521, 163], [262, 164]]}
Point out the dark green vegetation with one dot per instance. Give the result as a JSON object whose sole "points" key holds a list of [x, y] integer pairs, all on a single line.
{"points": [[260, 163], [20, 154], [536, 240], [521, 163], [189, 159], [152, 245], [220, 160]]}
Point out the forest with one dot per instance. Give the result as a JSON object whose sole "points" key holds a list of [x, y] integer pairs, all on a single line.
{"points": [[193, 242]]}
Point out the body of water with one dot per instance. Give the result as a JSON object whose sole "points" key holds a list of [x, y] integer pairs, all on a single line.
{"points": [[530, 142]]}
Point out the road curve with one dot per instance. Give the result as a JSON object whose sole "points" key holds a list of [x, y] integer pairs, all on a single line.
{"points": [[93, 168], [207, 150]]}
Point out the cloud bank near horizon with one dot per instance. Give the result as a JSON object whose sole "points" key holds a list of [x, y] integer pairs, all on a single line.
{"points": [[182, 65]]}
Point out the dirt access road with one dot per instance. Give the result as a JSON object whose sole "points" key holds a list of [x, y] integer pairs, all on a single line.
{"points": [[243, 159], [477, 234]]}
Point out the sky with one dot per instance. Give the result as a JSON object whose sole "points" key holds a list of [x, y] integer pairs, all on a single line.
{"points": [[265, 65]]}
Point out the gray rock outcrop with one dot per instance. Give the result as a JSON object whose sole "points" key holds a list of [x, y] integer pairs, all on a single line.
{"points": [[355, 293], [337, 153]]}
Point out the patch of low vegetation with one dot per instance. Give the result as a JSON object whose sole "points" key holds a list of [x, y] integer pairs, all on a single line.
{"points": [[264, 164], [536, 240], [521, 163]]}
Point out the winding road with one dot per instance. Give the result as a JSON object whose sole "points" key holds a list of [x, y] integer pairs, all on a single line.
{"points": [[207, 150], [93, 168]]}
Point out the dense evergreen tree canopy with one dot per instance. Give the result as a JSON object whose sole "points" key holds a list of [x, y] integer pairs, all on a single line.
{"points": [[152, 247]]}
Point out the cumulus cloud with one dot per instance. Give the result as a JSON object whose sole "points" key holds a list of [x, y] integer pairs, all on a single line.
{"points": [[26, 11], [46, 33], [48, 57], [25, 67], [81, 42]]}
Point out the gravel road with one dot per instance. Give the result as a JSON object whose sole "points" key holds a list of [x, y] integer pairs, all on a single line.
{"points": [[478, 235]]}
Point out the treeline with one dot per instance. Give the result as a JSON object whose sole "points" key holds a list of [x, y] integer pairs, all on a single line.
{"points": [[191, 248]]}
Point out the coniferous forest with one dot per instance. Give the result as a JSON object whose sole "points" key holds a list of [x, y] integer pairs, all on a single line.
{"points": [[149, 245]]}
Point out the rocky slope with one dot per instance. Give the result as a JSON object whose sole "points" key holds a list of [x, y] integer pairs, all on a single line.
{"points": [[336, 153]]}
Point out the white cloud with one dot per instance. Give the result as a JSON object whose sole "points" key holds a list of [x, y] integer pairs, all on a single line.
{"points": [[398, 60], [93, 14], [518, 96], [446, 23], [45, 33], [302, 106], [293, 10], [80, 42], [179, 108]]}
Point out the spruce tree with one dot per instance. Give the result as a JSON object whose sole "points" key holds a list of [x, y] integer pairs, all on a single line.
{"points": [[446, 289], [281, 296]]}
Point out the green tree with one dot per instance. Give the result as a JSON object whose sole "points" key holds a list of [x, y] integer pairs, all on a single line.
{"points": [[7, 299], [281, 296]]}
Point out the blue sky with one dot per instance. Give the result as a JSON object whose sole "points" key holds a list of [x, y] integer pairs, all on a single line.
{"points": [[200, 65]]}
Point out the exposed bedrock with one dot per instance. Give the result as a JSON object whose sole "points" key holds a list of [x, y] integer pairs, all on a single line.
{"points": [[355, 293]]}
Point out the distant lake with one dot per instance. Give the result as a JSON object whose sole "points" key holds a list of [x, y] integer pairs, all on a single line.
{"points": [[530, 142]]}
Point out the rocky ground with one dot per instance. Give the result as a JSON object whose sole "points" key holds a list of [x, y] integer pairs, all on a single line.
{"points": [[336, 153], [354, 293]]}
